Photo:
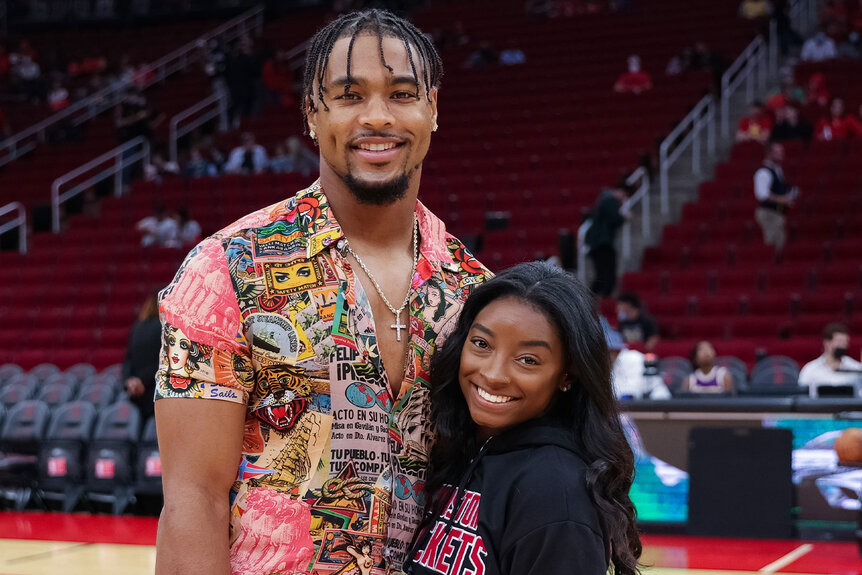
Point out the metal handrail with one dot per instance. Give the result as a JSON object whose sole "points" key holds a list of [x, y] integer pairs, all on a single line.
{"points": [[702, 116], [218, 108], [754, 59], [178, 60], [19, 222], [640, 197], [120, 162]]}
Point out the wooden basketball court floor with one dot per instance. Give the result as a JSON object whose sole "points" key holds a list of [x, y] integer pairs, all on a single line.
{"points": [[77, 544]]}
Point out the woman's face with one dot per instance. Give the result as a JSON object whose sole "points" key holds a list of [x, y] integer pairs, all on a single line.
{"points": [[434, 297], [511, 365], [178, 349], [705, 354]]}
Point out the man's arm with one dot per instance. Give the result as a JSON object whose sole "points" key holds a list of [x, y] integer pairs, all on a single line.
{"points": [[200, 442]]}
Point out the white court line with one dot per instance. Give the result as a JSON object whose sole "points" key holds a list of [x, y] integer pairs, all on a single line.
{"points": [[783, 562]]}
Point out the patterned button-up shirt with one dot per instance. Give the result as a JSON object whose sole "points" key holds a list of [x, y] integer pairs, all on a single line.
{"points": [[270, 314]]}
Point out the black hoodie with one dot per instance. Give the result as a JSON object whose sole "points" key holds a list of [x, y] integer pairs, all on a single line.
{"points": [[523, 508]]}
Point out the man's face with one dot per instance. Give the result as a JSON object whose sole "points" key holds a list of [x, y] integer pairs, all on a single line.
{"points": [[837, 108], [375, 136], [839, 340], [776, 153]]}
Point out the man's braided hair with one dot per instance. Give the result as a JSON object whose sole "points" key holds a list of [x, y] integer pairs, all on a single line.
{"points": [[377, 22]]}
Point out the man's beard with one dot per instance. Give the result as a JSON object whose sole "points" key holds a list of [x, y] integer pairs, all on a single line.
{"points": [[378, 194]]}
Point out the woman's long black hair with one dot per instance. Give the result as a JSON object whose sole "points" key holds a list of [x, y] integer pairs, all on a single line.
{"points": [[589, 405]]}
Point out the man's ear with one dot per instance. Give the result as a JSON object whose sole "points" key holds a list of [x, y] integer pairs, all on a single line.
{"points": [[311, 115], [432, 94]]}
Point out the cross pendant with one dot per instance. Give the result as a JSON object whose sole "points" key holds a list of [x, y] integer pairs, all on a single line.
{"points": [[398, 326]]}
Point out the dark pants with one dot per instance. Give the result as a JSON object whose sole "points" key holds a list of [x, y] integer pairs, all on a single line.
{"points": [[605, 263]]}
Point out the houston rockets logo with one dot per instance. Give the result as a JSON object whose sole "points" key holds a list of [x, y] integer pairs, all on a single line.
{"points": [[458, 550]]}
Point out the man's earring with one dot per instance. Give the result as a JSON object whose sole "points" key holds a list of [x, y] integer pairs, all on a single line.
{"points": [[434, 129], [312, 135]]}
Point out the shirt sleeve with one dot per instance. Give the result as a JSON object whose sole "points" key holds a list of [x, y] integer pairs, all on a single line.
{"points": [[558, 548], [204, 352], [762, 183], [806, 376]]}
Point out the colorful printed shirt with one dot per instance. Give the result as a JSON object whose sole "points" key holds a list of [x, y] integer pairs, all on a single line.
{"points": [[270, 314]]}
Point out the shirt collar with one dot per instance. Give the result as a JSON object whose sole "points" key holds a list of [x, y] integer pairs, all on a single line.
{"points": [[312, 214]]}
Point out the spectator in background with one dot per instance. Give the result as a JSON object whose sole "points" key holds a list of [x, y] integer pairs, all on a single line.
{"points": [[634, 324], [756, 126], [635, 80], [58, 98], [134, 117], [158, 230], [247, 158], [707, 377], [819, 47], [142, 357], [790, 127], [293, 157], [837, 126], [159, 168], [243, 76], [189, 230], [755, 9], [607, 217], [629, 371], [27, 78], [198, 166], [774, 195], [210, 152], [787, 93], [215, 64], [829, 368]]}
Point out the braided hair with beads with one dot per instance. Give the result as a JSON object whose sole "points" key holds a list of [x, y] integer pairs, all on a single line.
{"points": [[428, 70]]}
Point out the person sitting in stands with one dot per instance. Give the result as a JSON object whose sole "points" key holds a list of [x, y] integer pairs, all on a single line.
{"points": [[634, 324], [819, 47], [789, 126], [159, 230], [635, 80], [247, 158], [756, 126], [198, 166], [837, 126], [629, 371], [707, 377], [833, 367]]}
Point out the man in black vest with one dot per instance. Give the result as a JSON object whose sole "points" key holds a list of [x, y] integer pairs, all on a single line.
{"points": [[774, 195]]}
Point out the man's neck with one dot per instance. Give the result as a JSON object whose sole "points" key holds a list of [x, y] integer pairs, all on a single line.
{"points": [[831, 361], [376, 227]]}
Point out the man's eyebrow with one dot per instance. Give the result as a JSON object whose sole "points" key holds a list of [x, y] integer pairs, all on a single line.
{"points": [[359, 80]]}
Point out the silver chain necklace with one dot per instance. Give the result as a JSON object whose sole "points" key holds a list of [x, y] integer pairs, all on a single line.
{"points": [[397, 326]]}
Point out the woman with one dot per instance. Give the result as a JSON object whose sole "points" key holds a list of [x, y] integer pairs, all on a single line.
{"points": [[142, 357], [531, 470], [707, 377]]}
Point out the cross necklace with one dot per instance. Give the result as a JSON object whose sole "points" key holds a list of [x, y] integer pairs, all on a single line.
{"points": [[397, 326]]}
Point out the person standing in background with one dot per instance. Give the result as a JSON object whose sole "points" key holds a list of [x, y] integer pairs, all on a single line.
{"points": [[142, 357]]}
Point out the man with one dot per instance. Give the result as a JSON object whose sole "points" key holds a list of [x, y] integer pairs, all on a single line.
{"points": [[247, 158], [630, 377], [306, 325], [756, 126], [775, 196], [607, 218], [634, 324], [834, 367], [818, 48], [635, 80]]}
